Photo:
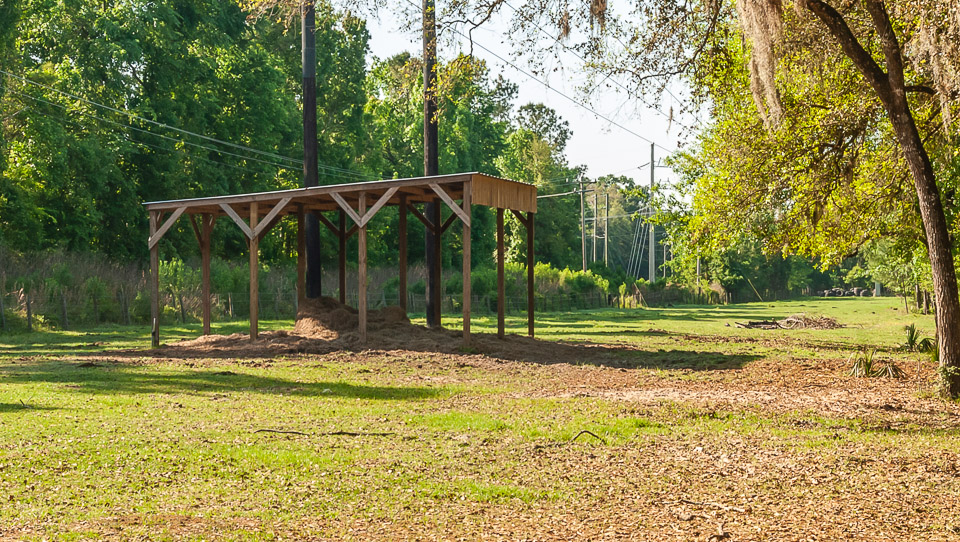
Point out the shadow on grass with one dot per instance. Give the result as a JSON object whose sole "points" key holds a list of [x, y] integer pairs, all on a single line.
{"points": [[22, 407], [421, 340], [111, 378]]}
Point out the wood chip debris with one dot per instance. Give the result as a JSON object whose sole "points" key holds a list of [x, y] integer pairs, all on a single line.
{"points": [[796, 321]]}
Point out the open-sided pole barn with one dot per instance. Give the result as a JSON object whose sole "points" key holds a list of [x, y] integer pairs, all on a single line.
{"points": [[358, 202]]}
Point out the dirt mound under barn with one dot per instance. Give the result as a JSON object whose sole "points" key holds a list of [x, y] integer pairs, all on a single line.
{"points": [[325, 325]]}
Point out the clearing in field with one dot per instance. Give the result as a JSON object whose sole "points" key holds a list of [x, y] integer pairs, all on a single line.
{"points": [[615, 424]]}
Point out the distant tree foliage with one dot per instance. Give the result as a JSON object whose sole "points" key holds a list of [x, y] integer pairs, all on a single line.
{"points": [[90, 86]]}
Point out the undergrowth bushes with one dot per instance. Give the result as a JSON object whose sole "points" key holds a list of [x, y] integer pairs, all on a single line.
{"points": [[67, 290]]}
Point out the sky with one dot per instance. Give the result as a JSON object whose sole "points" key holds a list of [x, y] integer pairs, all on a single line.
{"points": [[600, 145]]}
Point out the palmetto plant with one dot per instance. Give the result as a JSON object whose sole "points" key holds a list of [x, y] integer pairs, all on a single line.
{"points": [[915, 343], [913, 338], [864, 364]]}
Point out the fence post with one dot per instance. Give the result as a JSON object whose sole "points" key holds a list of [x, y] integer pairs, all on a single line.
{"points": [[29, 314], [63, 310], [125, 307]]}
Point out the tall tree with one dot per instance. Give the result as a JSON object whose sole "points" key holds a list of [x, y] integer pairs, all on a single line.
{"points": [[905, 52]]}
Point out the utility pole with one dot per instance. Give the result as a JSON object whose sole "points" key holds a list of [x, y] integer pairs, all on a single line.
{"points": [[664, 260], [606, 230], [698, 274], [583, 231], [310, 174], [653, 242], [596, 223], [431, 163]]}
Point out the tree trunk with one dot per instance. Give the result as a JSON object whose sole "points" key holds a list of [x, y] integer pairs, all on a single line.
{"points": [[890, 87], [431, 161]]}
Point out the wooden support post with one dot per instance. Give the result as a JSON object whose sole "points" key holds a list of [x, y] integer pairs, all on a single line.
{"points": [[530, 268], [467, 189], [254, 275], [154, 283], [362, 272], [402, 291], [501, 289], [301, 255], [342, 262], [206, 230], [437, 264]]}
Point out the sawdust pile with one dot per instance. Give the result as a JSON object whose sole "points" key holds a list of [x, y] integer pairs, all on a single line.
{"points": [[325, 325], [327, 318]]}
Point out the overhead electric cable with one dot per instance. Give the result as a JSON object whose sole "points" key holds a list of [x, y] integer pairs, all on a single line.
{"points": [[155, 123], [330, 171]]}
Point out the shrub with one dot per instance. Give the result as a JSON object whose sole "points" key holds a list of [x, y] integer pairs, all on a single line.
{"points": [[140, 308]]}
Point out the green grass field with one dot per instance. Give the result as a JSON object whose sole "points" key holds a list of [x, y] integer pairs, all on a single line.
{"points": [[701, 429]]}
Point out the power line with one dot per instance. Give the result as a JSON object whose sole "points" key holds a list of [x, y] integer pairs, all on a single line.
{"points": [[131, 115], [329, 170], [148, 145], [122, 125], [156, 123]]}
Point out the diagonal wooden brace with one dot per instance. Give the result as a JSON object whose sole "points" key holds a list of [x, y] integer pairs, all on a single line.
{"points": [[196, 229], [326, 222], [450, 203], [346, 207], [239, 221], [267, 222], [155, 238], [447, 223], [378, 205], [362, 221], [520, 217], [426, 221]]}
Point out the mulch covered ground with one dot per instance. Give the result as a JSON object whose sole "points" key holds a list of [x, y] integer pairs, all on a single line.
{"points": [[823, 472]]}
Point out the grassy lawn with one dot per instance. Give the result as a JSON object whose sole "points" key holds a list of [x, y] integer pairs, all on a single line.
{"points": [[696, 428]]}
